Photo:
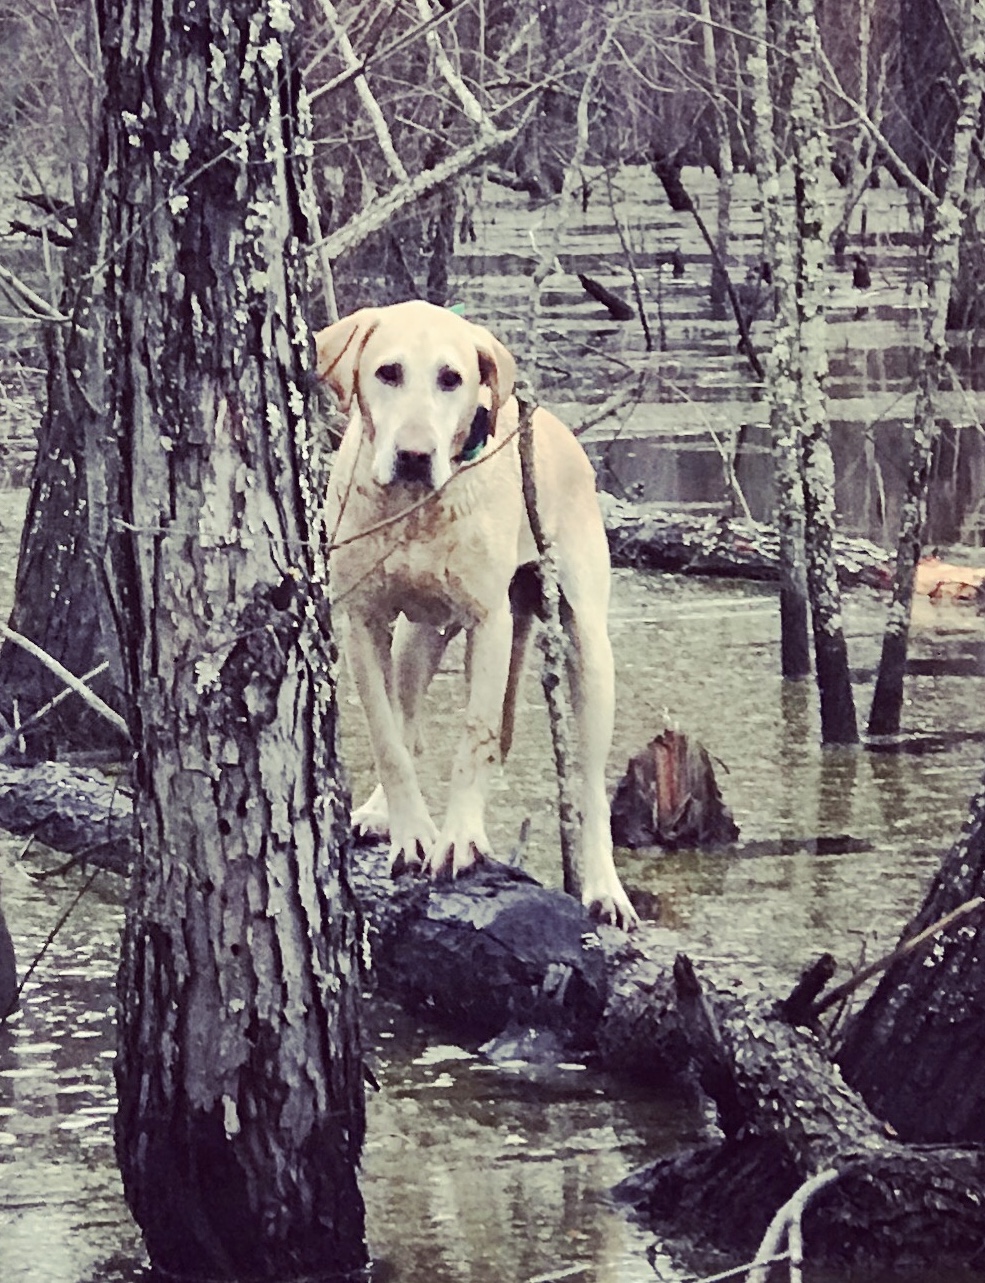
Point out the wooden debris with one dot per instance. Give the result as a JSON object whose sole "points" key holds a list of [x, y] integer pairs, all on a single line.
{"points": [[669, 797]]}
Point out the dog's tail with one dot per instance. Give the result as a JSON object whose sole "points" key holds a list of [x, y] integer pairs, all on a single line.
{"points": [[525, 603]]}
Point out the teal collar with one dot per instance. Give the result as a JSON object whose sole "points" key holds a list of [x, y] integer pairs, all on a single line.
{"points": [[479, 434]]}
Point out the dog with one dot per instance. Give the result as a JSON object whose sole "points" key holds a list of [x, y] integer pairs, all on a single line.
{"points": [[428, 536]]}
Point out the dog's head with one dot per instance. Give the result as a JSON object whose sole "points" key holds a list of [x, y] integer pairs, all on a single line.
{"points": [[415, 372]]}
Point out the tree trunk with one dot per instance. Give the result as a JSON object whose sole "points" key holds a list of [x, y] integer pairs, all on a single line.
{"points": [[782, 388], [238, 1072], [810, 160], [58, 589], [926, 1014], [723, 165], [944, 226]]}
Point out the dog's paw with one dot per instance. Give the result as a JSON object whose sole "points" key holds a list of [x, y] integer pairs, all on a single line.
{"points": [[372, 819], [411, 837], [456, 851], [611, 906]]}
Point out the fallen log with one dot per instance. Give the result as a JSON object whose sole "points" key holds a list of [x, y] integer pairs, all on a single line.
{"points": [[86, 816], [786, 1114], [496, 952], [649, 536]]}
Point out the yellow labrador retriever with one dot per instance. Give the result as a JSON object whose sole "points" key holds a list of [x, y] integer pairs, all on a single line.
{"points": [[429, 532]]}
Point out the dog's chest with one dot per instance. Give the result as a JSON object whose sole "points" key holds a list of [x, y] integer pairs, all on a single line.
{"points": [[447, 561]]}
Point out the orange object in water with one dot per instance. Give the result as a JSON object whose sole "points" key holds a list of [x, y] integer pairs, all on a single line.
{"points": [[943, 581]]}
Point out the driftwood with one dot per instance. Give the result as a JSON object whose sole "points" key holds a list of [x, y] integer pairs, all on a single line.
{"points": [[494, 953], [650, 536]]}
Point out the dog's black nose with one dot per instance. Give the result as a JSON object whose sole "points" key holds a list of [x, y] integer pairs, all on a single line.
{"points": [[411, 466]]}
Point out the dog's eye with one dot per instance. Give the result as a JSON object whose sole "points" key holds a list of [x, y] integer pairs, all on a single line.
{"points": [[392, 375], [449, 380]]}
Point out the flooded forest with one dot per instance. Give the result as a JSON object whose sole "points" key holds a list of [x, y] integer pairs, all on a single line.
{"points": [[738, 248]]}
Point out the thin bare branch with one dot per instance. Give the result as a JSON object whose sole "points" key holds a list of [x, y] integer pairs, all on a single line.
{"points": [[62, 673], [370, 105], [33, 306]]}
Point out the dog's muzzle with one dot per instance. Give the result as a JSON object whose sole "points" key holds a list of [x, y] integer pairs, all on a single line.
{"points": [[414, 468]]}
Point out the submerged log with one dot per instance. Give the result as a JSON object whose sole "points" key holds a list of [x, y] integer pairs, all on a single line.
{"points": [[650, 536], [497, 952]]}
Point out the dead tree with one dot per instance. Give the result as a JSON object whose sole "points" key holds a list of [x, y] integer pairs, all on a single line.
{"points": [[238, 1071], [781, 379], [810, 165], [58, 589]]}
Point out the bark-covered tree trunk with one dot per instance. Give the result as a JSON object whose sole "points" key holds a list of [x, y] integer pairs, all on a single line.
{"points": [[781, 383], [944, 226], [916, 1050], [810, 162], [238, 1072], [58, 588]]}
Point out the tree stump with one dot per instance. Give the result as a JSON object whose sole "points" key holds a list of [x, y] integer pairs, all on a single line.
{"points": [[669, 797]]}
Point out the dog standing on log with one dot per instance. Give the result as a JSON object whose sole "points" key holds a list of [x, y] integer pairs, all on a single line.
{"points": [[429, 533]]}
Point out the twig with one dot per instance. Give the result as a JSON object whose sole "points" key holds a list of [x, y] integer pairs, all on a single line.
{"points": [[555, 656], [62, 673], [470, 104], [887, 960], [627, 251], [371, 107], [51, 936], [21, 295], [737, 310], [10, 739]]}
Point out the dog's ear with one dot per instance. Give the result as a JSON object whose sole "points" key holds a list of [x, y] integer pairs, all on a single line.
{"points": [[497, 369], [339, 348]]}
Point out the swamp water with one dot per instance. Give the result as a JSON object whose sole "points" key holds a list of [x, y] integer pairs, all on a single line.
{"points": [[483, 1173]]}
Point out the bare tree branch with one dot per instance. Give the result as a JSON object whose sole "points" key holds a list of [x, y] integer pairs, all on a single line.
{"points": [[70, 680], [380, 211]]}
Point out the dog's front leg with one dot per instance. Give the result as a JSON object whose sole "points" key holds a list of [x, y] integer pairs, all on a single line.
{"points": [[463, 839], [412, 831]]}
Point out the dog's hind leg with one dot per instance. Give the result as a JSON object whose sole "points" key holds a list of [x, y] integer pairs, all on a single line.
{"points": [[523, 623], [592, 677]]}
